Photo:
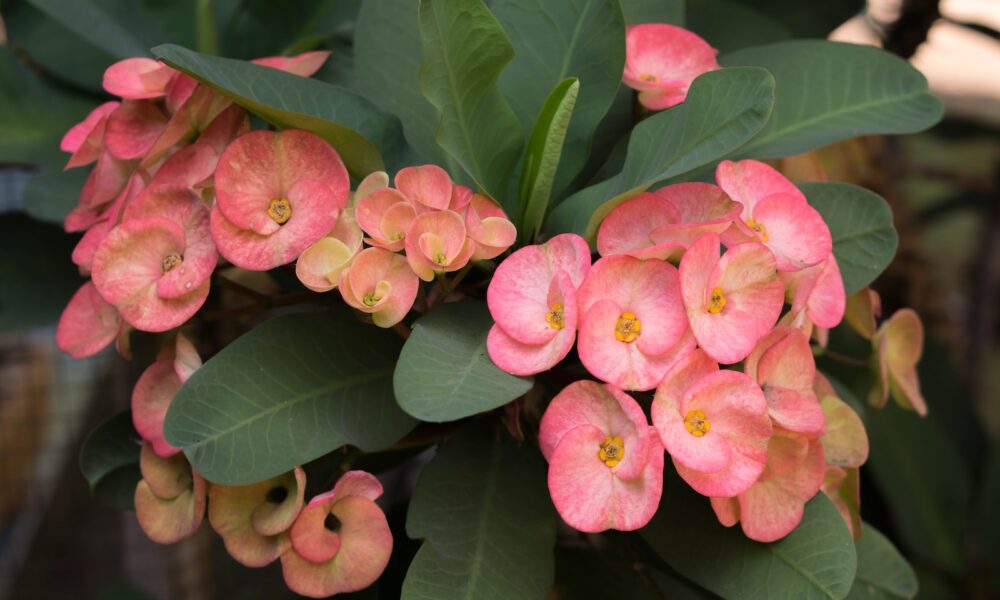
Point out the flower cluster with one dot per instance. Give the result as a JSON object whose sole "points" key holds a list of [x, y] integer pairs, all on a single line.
{"points": [[752, 436]]}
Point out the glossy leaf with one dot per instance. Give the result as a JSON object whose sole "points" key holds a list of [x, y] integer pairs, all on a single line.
{"points": [[288, 391], [830, 91], [860, 221], [543, 156], [109, 461], [883, 573], [817, 560], [556, 40], [483, 509], [351, 123], [722, 111], [463, 49]]}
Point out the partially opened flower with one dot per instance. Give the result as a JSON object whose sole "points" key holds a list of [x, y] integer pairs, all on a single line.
{"points": [[254, 520], [533, 299], [276, 195], [845, 442], [156, 388], [714, 425], [818, 291], [138, 78], [133, 128], [862, 309], [320, 265], [341, 541], [380, 283], [170, 498], [88, 323], [782, 364], [437, 242], [605, 462], [732, 301], [303, 65], [632, 325], [662, 60], [898, 346], [85, 140], [662, 224], [775, 213], [385, 215], [488, 226], [428, 187], [774, 505]]}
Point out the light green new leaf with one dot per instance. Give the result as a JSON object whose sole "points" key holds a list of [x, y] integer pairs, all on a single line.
{"points": [[816, 561], [288, 391], [542, 158], [555, 40], [351, 123], [483, 508], [109, 461], [860, 221], [830, 91], [94, 24], [444, 372], [464, 49], [722, 111], [883, 573]]}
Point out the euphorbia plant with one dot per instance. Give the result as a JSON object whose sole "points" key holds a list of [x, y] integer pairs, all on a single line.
{"points": [[440, 242]]}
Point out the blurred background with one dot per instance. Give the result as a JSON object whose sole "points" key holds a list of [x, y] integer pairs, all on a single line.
{"points": [[932, 485]]}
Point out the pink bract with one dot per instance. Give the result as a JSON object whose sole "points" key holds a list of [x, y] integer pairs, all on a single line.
{"points": [[380, 283], [88, 323], [151, 398], [532, 297], [133, 128], [85, 140], [605, 463], [714, 424], [138, 78], [662, 60], [775, 213], [385, 215], [437, 242], [631, 321], [303, 65], [320, 265], [732, 301], [899, 344], [488, 226], [783, 365], [819, 291], [170, 498], [428, 187], [341, 541]]}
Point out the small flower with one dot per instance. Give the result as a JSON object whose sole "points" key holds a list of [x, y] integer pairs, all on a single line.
{"points": [[662, 60], [488, 226], [385, 215], [88, 323], [427, 187], [605, 463], [817, 290], [156, 388], [898, 346], [782, 364], [170, 498], [380, 283], [437, 242], [320, 265]]}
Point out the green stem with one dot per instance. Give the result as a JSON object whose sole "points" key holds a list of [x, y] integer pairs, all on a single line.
{"points": [[204, 20]]}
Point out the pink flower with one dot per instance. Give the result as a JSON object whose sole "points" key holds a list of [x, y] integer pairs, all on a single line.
{"points": [[276, 195], [533, 299], [774, 505], [133, 128], [385, 215], [714, 424], [170, 498], [437, 242], [138, 78], [488, 226], [783, 365], [85, 140], [320, 265], [732, 301], [303, 65], [662, 60], [775, 213], [605, 463], [341, 541], [88, 323], [632, 326], [380, 283], [817, 297], [156, 388], [899, 344], [662, 224], [372, 183], [428, 187]]}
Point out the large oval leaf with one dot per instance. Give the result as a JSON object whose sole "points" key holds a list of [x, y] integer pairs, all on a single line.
{"points": [[883, 573], [109, 461], [444, 372], [829, 91], [483, 508], [351, 123], [860, 221], [722, 111], [817, 560], [289, 391], [463, 49]]}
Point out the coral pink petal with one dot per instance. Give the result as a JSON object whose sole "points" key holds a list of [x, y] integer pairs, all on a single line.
{"points": [[427, 186], [702, 208], [627, 229], [303, 65], [310, 537], [381, 283], [132, 129], [83, 252], [732, 402], [80, 134], [570, 253], [230, 124], [662, 60], [357, 483], [436, 242], [750, 181], [795, 410], [796, 233], [137, 78], [106, 181], [820, 291], [188, 167], [518, 296], [88, 323], [151, 398]]}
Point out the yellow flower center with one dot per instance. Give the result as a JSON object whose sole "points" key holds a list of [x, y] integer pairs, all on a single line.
{"points": [[371, 298], [170, 261], [280, 210], [441, 259], [717, 301], [612, 451], [697, 423], [628, 328], [556, 317], [649, 78], [758, 228]]}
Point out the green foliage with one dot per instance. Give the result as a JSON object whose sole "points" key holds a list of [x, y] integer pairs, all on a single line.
{"points": [[483, 509], [444, 372], [91, 22], [730, 25], [289, 391], [50, 195], [458, 75], [109, 461], [883, 573], [860, 221], [653, 11]]}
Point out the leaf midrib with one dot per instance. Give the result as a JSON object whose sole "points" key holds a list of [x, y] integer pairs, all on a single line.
{"points": [[802, 571], [481, 525]]}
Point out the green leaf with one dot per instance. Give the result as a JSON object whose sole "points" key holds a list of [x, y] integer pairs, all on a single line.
{"points": [[653, 11], [483, 507], [730, 25], [542, 158], [264, 27], [109, 461], [351, 123], [723, 110], [444, 372], [883, 573], [94, 24], [817, 560], [860, 221], [830, 91], [464, 49], [50, 195], [556, 40], [289, 391]]}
